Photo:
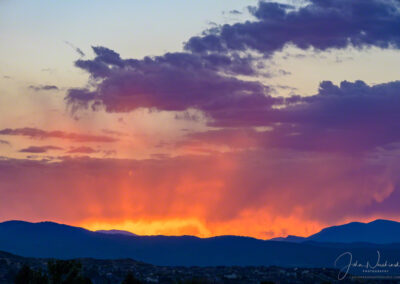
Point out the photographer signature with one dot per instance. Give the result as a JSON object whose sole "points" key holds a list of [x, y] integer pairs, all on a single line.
{"points": [[343, 272]]}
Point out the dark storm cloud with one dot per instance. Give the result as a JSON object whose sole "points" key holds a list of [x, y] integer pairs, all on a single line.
{"points": [[107, 61], [321, 24], [174, 82], [43, 134], [352, 117], [350, 103]]}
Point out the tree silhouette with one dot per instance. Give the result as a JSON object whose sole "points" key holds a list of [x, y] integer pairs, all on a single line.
{"points": [[130, 279], [66, 272], [28, 276], [58, 272]]}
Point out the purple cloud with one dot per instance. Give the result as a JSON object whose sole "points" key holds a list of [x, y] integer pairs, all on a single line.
{"points": [[204, 77], [320, 24], [352, 117], [173, 82], [42, 134], [338, 118], [39, 149]]}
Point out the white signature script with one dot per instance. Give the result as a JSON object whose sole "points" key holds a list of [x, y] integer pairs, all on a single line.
{"points": [[343, 272]]}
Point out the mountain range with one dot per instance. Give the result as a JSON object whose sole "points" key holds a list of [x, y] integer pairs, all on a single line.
{"points": [[52, 240], [377, 232]]}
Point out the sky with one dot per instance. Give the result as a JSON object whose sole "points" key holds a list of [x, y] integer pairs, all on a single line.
{"points": [[204, 118]]}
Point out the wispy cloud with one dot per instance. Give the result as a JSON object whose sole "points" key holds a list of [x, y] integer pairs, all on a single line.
{"points": [[77, 49], [43, 88], [82, 150], [39, 149], [43, 134], [4, 142]]}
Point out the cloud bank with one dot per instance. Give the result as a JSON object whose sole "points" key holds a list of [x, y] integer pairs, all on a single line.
{"points": [[205, 76], [216, 190], [320, 24]]}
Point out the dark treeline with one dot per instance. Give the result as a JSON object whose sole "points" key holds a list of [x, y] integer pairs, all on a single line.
{"points": [[60, 272], [70, 272]]}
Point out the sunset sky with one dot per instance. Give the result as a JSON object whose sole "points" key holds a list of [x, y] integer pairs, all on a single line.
{"points": [[200, 117]]}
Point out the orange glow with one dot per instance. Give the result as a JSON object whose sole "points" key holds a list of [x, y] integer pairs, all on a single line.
{"points": [[171, 227], [262, 194], [255, 224]]}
